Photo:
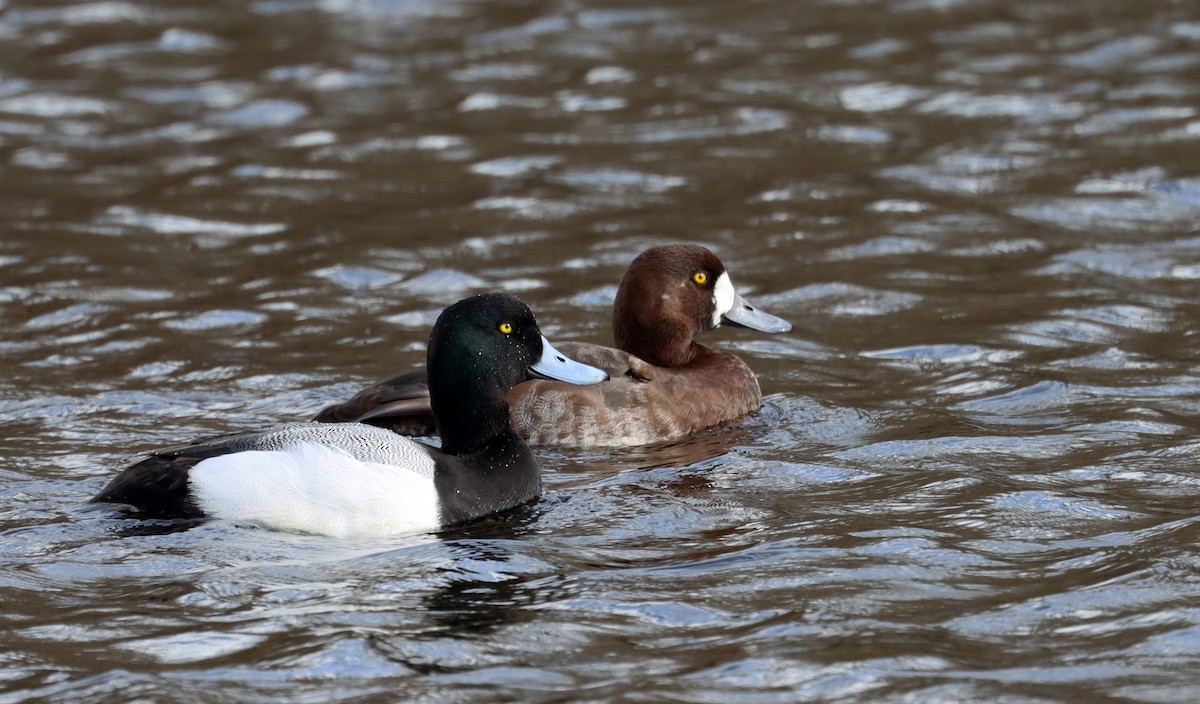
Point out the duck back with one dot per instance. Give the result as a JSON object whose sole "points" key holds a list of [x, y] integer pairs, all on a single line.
{"points": [[641, 404]]}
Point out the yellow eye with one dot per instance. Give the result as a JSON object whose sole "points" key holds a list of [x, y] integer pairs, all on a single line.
{"points": [[505, 328], [700, 277]]}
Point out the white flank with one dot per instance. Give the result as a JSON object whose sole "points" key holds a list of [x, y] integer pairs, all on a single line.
{"points": [[723, 297], [314, 488]]}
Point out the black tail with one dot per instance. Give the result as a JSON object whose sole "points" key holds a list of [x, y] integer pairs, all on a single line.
{"points": [[156, 486]]}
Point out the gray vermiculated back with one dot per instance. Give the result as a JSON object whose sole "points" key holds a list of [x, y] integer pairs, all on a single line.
{"points": [[365, 443]]}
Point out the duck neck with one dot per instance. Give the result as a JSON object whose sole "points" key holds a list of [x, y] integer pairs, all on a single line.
{"points": [[672, 353], [468, 414], [653, 336]]}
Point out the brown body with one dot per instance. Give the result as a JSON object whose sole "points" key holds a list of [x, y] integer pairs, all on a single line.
{"points": [[640, 404], [663, 385]]}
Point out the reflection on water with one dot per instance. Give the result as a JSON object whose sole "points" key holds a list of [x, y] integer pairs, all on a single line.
{"points": [[975, 474]]}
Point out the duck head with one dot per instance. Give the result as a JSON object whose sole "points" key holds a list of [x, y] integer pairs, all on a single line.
{"points": [[480, 348], [669, 294]]}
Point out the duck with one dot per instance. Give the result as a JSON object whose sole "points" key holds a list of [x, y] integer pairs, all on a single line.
{"points": [[662, 386], [359, 480]]}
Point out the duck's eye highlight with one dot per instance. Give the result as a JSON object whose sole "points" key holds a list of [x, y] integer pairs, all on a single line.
{"points": [[700, 277], [505, 328]]}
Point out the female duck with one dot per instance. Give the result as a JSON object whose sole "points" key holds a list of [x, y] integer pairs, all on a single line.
{"points": [[359, 480], [662, 385]]}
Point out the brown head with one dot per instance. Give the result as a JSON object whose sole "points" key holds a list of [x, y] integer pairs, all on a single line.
{"points": [[670, 294]]}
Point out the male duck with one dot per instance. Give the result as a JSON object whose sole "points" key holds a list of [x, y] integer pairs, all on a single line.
{"points": [[359, 480], [663, 384]]}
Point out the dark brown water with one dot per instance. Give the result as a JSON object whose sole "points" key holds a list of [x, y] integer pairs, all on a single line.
{"points": [[975, 478]]}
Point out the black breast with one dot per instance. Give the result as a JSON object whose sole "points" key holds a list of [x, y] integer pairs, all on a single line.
{"points": [[503, 474]]}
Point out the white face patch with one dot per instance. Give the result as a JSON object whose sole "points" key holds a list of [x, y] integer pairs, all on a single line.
{"points": [[723, 297]]}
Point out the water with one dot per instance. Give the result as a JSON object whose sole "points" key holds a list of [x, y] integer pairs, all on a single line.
{"points": [[975, 474]]}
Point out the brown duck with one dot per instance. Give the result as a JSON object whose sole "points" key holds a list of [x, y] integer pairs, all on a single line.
{"points": [[663, 384]]}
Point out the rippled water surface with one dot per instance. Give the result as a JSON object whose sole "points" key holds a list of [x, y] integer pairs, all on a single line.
{"points": [[975, 477]]}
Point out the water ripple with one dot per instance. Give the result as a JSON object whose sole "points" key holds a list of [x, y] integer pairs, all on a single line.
{"points": [[973, 478]]}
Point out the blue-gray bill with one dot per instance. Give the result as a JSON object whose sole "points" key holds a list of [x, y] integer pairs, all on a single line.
{"points": [[556, 365], [748, 316]]}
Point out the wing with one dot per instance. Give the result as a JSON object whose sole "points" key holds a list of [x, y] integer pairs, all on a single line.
{"points": [[400, 403]]}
